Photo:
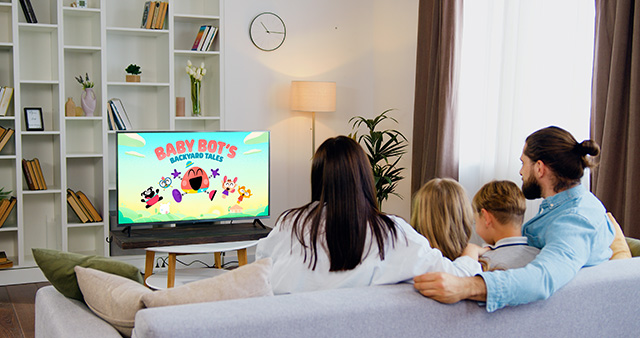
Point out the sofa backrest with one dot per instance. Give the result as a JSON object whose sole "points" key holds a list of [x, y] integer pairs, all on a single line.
{"points": [[601, 301]]}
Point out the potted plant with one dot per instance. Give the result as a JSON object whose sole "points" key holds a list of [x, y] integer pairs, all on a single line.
{"points": [[133, 73], [4, 194], [384, 149], [88, 97]]}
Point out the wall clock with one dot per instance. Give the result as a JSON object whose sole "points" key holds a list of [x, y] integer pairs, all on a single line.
{"points": [[267, 31]]}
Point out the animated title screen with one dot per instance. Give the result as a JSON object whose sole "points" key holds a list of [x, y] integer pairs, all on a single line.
{"points": [[192, 176]]}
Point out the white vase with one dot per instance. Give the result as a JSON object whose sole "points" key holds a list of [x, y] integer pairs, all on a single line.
{"points": [[88, 101]]}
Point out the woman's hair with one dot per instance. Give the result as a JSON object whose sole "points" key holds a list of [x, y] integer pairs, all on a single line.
{"points": [[503, 199], [343, 199], [560, 151], [441, 212]]}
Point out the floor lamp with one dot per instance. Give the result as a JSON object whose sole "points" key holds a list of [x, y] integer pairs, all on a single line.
{"points": [[314, 97]]}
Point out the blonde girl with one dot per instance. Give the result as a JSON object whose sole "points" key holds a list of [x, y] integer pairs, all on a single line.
{"points": [[442, 213]]}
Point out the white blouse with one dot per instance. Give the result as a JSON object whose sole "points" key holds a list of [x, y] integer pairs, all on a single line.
{"points": [[411, 256]]}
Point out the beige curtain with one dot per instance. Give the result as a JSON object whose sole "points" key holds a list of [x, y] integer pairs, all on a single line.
{"points": [[615, 110], [435, 141]]}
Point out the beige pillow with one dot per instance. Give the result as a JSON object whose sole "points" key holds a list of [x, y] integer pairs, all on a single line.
{"points": [[111, 297], [619, 245], [251, 280]]}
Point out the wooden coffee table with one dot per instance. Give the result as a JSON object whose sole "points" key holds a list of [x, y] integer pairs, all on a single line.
{"points": [[178, 250]]}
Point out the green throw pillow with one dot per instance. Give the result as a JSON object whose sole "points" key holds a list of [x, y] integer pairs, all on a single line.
{"points": [[634, 246], [58, 266]]}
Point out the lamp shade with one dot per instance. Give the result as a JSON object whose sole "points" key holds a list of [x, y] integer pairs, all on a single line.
{"points": [[313, 96]]}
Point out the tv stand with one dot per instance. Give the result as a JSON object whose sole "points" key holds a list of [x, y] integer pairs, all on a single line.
{"points": [[257, 221], [193, 234]]}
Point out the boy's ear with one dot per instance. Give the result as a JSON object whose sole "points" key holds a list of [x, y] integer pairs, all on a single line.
{"points": [[487, 217]]}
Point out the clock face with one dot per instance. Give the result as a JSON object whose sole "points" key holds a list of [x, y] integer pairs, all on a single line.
{"points": [[267, 31]]}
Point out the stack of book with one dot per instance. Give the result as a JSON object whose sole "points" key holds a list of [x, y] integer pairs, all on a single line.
{"points": [[5, 99], [33, 174], [154, 15], [83, 208], [5, 135], [118, 118], [4, 261], [6, 206], [204, 38]]}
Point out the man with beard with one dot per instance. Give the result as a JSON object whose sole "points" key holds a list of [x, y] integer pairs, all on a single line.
{"points": [[571, 229]]}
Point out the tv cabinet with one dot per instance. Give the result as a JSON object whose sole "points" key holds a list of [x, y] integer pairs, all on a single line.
{"points": [[184, 235], [40, 61]]}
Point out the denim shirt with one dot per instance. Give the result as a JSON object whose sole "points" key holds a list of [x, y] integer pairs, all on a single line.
{"points": [[572, 230]]}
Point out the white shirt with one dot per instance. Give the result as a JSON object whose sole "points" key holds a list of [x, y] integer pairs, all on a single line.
{"points": [[510, 253], [411, 256]]}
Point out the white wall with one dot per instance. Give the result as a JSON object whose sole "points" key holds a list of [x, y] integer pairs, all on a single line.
{"points": [[367, 47]]}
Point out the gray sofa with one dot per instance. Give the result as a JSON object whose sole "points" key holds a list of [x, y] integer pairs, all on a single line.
{"points": [[602, 301]]}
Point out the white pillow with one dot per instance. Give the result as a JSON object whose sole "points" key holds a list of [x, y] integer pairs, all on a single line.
{"points": [[111, 297], [251, 280]]}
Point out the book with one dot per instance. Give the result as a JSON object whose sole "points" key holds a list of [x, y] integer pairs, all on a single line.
{"points": [[6, 264], [5, 100], [38, 170], [82, 206], [31, 12], [152, 9], [2, 132], [27, 175], [118, 108], [12, 203], [145, 14], [204, 36], [112, 122], [34, 176], [116, 118], [196, 43], [74, 203], [160, 21], [209, 40], [25, 11], [89, 207], [6, 136], [165, 19], [4, 206], [156, 11], [3, 257]]}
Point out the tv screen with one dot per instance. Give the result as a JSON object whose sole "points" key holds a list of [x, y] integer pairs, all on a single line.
{"points": [[191, 177]]}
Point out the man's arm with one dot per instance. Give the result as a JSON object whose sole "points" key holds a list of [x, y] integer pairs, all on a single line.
{"points": [[446, 288]]}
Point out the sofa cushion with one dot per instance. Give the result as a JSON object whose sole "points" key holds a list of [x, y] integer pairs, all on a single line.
{"points": [[251, 280], [111, 297], [57, 267], [634, 246]]}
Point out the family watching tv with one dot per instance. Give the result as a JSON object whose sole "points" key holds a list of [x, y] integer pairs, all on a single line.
{"points": [[191, 177]]}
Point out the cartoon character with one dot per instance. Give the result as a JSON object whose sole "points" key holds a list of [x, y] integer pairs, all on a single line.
{"points": [[244, 193], [165, 208], [229, 186], [165, 182], [195, 180], [150, 197]]}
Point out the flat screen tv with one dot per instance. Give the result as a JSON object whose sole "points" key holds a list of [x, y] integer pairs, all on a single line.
{"points": [[191, 177]]}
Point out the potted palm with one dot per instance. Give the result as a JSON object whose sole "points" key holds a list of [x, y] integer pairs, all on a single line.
{"points": [[133, 73], [384, 148]]}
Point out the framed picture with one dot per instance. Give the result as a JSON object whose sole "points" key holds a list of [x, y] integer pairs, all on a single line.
{"points": [[33, 119]]}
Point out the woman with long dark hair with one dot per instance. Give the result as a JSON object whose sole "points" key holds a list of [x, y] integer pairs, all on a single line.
{"points": [[341, 239]]}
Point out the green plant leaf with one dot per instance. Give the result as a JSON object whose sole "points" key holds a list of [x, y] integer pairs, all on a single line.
{"points": [[384, 150]]}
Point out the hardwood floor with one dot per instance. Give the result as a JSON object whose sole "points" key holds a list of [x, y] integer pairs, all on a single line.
{"points": [[17, 310]]}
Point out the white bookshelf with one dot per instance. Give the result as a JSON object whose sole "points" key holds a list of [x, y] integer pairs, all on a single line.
{"points": [[40, 61]]}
